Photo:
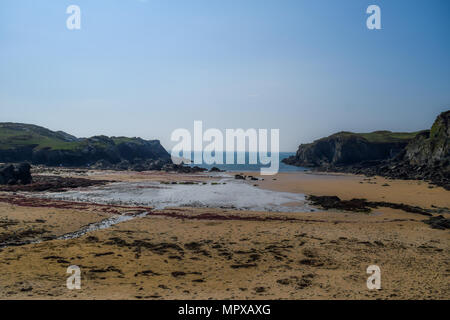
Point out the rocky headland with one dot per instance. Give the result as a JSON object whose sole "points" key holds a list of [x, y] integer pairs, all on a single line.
{"points": [[37, 145], [40, 146], [423, 155]]}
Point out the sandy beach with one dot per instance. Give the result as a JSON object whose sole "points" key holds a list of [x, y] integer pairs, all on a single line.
{"points": [[348, 186], [226, 253]]}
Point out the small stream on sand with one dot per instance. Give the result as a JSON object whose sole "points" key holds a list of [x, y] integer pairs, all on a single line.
{"points": [[103, 224]]}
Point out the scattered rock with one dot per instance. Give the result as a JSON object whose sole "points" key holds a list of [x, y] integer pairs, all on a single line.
{"points": [[362, 205], [304, 282], [26, 289], [284, 282], [181, 168], [107, 269], [146, 273], [311, 262], [101, 254], [438, 222], [91, 239], [243, 265], [379, 243], [177, 274], [334, 202]]}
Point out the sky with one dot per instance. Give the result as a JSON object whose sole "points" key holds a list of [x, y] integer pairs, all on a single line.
{"points": [[147, 67]]}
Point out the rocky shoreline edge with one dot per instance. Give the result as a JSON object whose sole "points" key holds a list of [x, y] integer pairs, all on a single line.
{"points": [[423, 155]]}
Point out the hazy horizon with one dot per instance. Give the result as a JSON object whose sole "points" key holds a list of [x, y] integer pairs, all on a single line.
{"points": [[145, 68]]}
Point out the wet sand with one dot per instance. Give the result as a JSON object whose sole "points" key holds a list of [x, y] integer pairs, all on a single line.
{"points": [[206, 253], [348, 186]]}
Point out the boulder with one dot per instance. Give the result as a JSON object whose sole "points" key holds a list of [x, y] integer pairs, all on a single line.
{"points": [[438, 222], [23, 173], [15, 174]]}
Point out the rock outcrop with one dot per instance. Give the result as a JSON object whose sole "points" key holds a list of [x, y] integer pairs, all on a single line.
{"points": [[426, 157], [422, 155], [182, 168], [362, 205], [347, 148], [53, 184], [38, 145], [431, 148], [15, 174]]}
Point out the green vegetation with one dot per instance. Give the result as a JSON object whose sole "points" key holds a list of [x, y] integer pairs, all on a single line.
{"points": [[16, 135], [38, 145], [381, 136], [438, 128], [13, 137], [118, 140]]}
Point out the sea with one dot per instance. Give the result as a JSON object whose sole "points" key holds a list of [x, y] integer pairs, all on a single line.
{"points": [[247, 166]]}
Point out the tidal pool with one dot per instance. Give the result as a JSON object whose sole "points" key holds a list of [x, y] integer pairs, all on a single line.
{"points": [[222, 193]]}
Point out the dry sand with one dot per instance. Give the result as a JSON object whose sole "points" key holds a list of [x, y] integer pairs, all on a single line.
{"points": [[191, 253], [348, 186]]}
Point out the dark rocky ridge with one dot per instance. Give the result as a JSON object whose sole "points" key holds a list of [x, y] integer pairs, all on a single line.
{"points": [[38, 145], [52, 184], [362, 205], [181, 168], [424, 155]]}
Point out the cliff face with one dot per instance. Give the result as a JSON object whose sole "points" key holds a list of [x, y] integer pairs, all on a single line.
{"points": [[22, 142], [428, 155], [346, 148], [421, 155], [431, 148]]}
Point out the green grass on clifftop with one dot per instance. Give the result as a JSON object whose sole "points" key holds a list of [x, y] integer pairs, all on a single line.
{"points": [[16, 135], [381, 136]]}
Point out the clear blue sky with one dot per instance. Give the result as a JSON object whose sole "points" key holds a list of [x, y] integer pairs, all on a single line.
{"points": [[145, 68]]}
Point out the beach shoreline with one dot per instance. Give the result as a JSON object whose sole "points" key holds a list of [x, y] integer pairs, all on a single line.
{"points": [[187, 253]]}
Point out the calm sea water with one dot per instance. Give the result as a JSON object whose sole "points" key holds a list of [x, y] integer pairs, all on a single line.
{"points": [[252, 167]]}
